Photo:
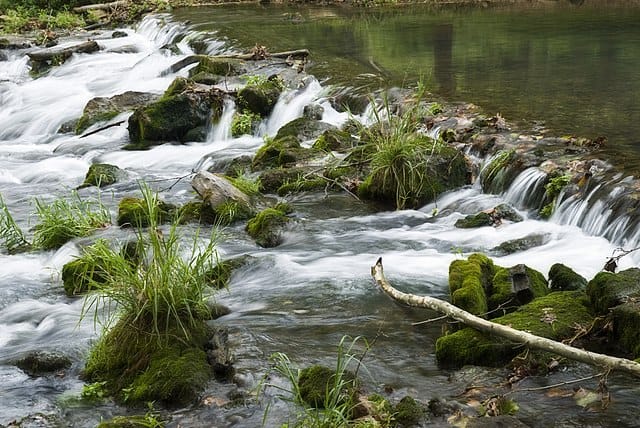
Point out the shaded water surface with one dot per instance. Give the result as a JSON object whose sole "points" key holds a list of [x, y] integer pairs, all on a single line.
{"points": [[575, 67]]}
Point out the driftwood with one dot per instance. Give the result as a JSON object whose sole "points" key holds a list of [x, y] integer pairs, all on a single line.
{"points": [[503, 331], [101, 6], [111, 125]]}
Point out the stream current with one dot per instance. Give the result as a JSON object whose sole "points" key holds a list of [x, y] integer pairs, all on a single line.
{"points": [[300, 298]]}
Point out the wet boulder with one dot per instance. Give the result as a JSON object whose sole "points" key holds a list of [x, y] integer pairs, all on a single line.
{"points": [[260, 96], [555, 316], [79, 276], [304, 128], [267, 227], [502, 169], [281, 152], [315, 384], [412, 172], [469, 283], [185, 106], [215, 69], [102, 109], [408, 412], [221, 195], [102, 174], [491, 217], [519, 244], [133, 212], [564, 278], [40, 363], [335, 140], [515, 286]]}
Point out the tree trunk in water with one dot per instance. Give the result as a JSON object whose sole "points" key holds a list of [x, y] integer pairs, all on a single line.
{"points": [[480, 324]]}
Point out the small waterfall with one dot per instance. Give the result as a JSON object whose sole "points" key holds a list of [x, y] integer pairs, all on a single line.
{"points": [[159, 29], [221, 131], [527, 189], [291, 105]]}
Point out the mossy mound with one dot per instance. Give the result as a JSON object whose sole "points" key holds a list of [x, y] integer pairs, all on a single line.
{"points": [[197, 212], [469, 282], [135, 421], [316, 383], [503, 168], [217, 67], [563, 278], [408, 412], [335, 140], [80, 275], [260, 97], [266, 227], [471, 221], [284, 181], [280, 152], [554, 316], [410, 174], [304, 128], [133, 212], [183, 108], [138, 368], [607, 289], [102, 174]]}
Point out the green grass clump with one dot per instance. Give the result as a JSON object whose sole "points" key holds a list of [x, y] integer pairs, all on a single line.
{"points": [[11, 235], [66, 219], [249, 186], [244, 123], [552, 191], [266, 227]]}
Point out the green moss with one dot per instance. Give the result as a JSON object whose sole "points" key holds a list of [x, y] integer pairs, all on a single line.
{"points": [[86, 120], [334, 140], [554, 316], [552, 190], [179, 85], [280, 152], [408, 412], [266, 227], [607, 289], [198, 212], [244, 123], [626, 319], [133, 212], [80, 275], [316, 382], [468, 280], [564, 278], [260, 97], [502, 291], [135, 421], [101, 174], [217, 67], [302, 184], [272, 179], [232, 211], [500, 172]]}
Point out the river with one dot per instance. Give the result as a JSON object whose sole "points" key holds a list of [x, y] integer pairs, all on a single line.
{"points": [[302, 297]]}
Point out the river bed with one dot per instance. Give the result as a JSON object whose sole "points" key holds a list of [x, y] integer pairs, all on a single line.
{"points": [[300, 298]]}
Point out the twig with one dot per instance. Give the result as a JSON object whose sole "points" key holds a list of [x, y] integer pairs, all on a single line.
{"points": [[612, 262], [111, 125], [430, 320], [557, 385]]}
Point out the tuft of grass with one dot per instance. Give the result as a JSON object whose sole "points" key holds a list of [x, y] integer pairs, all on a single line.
{"points": [[249, 186], [11, 235], [63, 220], [334, 406]]}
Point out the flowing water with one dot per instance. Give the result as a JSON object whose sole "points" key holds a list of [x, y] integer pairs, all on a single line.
{"points": [[300, 298]]}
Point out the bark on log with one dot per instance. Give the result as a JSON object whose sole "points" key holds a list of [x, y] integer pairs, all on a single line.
{"points": [[101, 6], [44, 55], [480, 324]]}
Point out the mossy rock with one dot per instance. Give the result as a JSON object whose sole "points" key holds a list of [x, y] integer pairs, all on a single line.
{"points": [[279, 152], [135, 421], [471, 221], [102, 174], [564, 278], [137, 367], [408, 412], [554, 316], [607, 289], [302, 184], [626, 319], [173, 117], [79, 276], [217, 67], [409, 179], [469, 281], [520, 244], [317, 381], [260, 98], [228, 202], [516, 286], [304, 128], [134, 212], [244, 123], [197, 212], [266, 227], [503, 168], [102, 109], [220, 274], [335, 140], [39, 363], [272, 179], [206, 78]]}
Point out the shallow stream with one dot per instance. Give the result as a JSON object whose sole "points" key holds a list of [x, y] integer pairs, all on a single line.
{"points": [[300, 298]]}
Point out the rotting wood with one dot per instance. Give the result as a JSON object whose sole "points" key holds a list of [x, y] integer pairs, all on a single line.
{"points": [[480, 324]]}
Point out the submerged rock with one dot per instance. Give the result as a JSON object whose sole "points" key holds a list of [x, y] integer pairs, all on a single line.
{"points": [[39, 363], [226, 200], [266, 228], [563, 278], [260, 97], [315, 383], [102, 174], [102, 109], [492, 217], [519, 244], [134, 212]]}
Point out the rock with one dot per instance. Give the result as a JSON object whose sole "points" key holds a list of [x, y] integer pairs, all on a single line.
{"points": [[501, 170], [607, 289], [347, 101], [313, 111], [197, 212], [420, 171], [469, 282], [408, 412], [216, 190], [564, 278], [316, 383], [219, 355], [3, 56], [14, 43], [554, 316], [119, 34], [516, 286], [266, 227], [519, 244], [80, 275], [183, 107], [280, 152], [102, 109], [102, 174], [134, 212], [42, 59], [500, 421], [334, 140], [492, 217], [471, 221], [217, 67], [260, 98], [39, 363], [303, 129]]}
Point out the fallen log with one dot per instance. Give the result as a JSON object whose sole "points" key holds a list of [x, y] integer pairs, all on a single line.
{"points": [[522, 337], [56, 56], [101, 6]]}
